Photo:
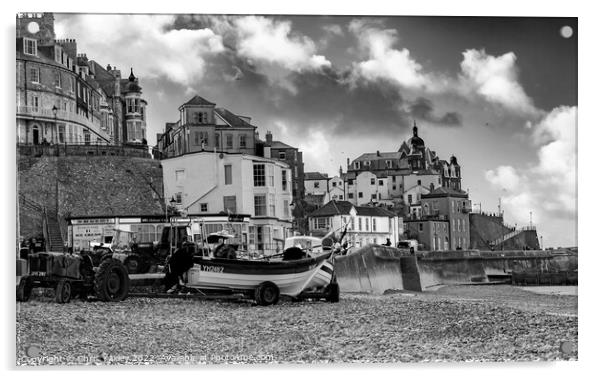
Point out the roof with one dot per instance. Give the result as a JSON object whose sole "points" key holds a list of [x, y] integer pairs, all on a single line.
{"points": [[197, 100], [281, 145], [446, 192], [315, 176], [335, 207], [379, 155], [231, 118]]}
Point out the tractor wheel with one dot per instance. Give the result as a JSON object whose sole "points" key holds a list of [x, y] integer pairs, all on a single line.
{"points": [[23, 290], [62, 293], [132, 263], [333, 292], [267, 293], [111, 282]]}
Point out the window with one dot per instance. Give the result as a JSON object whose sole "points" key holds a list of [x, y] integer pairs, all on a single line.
{"points": [[419, 182], [229, 141], [356, 165], [420, 227], [87, 137], [61, 133], [380, 182], [350, 195], [272, 204], [35, 103], [373, 196], [359, 224], [230, 204], [30, 46], [204, 207], [360, 195], [180, 175], [373, 181], [350, 182], [316, 184], [285, 209], [352, 223], [242, 139], [178, 197], [373, 224], [322, 223], [394, 187], [284, 181], [57, 79], [389, 164], [71, 84], [410, 199], [282, 155], [271, 176], [259, 175], [202, 117], [228, 174], [201, 138], [260, 205], [34, 74]]}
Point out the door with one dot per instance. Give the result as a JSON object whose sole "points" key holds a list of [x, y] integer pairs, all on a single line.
{"points": [[36, 135]]}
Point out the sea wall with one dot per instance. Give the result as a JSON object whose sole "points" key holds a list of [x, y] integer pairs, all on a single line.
{"points": [[376, 268]]}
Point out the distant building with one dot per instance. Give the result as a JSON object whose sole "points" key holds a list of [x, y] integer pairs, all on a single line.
{"points": [[206, 183], [62, 98], [320, 188], [396, 178], [204, 127], [442, 222], [365, 225], [291, 155]]}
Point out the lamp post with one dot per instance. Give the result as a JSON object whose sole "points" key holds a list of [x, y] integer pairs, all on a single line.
{"points": [[54, 112], [172, 203]]}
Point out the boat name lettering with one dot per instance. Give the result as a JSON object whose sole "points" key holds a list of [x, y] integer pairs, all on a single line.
{"points": [[217, 269]]}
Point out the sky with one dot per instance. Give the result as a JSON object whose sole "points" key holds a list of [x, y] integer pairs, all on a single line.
{"points": [[498, 93]]}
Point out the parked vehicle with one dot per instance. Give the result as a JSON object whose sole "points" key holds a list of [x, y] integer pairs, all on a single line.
{"points": [[74, 276]]}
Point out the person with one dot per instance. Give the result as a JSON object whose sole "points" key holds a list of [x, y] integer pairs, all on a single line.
{"points": [[388, 243]]}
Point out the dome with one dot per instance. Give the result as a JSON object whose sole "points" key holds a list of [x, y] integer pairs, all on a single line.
{"points": [[416, 141], [132, 85]]}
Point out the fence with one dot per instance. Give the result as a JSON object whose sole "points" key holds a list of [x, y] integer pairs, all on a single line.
{"points": [[57, 150]]}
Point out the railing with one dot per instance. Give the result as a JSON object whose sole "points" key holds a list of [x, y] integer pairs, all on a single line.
{"points": [[60, 115], [82, 149], [45, 230]]}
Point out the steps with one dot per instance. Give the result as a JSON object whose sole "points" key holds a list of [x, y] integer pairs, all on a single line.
{"points": [[55, 239], [507, 236]]}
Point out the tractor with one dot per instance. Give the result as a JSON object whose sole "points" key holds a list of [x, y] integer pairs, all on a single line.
{"points": [[72, 276]]}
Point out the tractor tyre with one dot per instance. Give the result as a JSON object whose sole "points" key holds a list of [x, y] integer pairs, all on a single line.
{"points": [[333, 292], [111, 282], [23, 290], [62, 292], [267, 293]]}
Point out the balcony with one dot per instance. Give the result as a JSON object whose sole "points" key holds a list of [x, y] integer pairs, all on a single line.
{"points": [[62, 116]]}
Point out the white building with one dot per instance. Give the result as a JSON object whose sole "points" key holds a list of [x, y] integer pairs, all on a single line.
{"points": [[207, 183], [365, 225]]}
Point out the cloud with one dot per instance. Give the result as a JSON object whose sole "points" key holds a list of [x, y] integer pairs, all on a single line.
{"points": [[268, 40], [496, 79], [547, 188], [385, 62], [333, 29], [422, 108], [140, 41]]}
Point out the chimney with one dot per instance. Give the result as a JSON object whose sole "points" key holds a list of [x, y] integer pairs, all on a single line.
{"points": [[268, 138], [340, 171], [377, 153]]}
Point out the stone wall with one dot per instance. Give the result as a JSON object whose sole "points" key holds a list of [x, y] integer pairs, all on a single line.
{"points": [[88, 186]]}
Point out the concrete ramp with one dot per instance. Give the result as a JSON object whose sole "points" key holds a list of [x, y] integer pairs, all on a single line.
{"points": [[372, 268]]}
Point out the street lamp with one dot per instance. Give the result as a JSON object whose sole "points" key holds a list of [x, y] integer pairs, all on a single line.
{"points": [[172, 203], [54, 112]]}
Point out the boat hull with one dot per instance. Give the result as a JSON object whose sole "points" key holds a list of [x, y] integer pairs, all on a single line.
{"points": [[292, 277]]}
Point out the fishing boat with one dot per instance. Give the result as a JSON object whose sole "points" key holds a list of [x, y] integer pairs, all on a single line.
{"points": [[293, 273]]}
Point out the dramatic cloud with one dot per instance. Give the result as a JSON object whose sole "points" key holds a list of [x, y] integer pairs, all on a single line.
{"points": [[384, 61], [140, 41], [496, 79], [547, 188], [422, 108], [265, 39]]}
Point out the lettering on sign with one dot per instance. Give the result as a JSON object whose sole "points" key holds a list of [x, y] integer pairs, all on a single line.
{"points": [[216, 269]]}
